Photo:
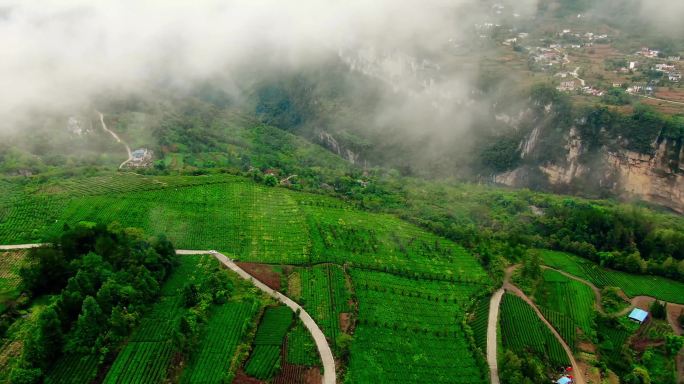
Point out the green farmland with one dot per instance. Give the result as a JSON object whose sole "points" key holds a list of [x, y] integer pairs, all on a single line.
{"points": [[633, 285], [523, 331], [568, 304]]}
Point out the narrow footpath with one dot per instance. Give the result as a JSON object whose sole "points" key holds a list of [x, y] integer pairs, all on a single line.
{"points": [[118, 140]]}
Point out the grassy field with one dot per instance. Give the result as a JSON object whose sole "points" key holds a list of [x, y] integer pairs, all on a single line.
{"points": [[523, 331], [633, 285]]}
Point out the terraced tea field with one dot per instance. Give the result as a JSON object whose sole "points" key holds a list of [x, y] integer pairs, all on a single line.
{"points": [[567, 304], [10, 262], [225, 329], [523, 331], [264, 359], [633, 285], [412, 288], [410, 329], [325, 296]]}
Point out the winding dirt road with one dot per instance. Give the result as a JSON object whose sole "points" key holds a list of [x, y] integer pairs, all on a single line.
{"points": [[637, 301], [118, 140], [493, 320], [492, 328]]}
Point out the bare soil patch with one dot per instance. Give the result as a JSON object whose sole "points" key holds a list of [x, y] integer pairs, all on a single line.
{"points": [[345, 322], [586, 346], [298, 374], [263, 273], [242, 378]]}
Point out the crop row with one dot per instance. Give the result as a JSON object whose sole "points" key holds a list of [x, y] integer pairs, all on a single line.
{"points": [[264, 361], [325, 296], [408, 338], [73, 368], [478, 322], [633, 285], [523, 331], [301, 348], [227, 325]]}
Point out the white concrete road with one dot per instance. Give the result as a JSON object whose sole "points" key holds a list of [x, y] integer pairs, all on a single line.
{"points": [[318, 336], [329, 376], [20, 246]]}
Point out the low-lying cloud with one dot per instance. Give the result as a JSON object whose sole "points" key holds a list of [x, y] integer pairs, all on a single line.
{"points": [[58, 54]]}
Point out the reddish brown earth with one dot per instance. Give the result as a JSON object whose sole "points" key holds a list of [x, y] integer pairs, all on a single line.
{"points": [[586, 346], [298, 374], [242, 378], [264, 273], [345, 322]]}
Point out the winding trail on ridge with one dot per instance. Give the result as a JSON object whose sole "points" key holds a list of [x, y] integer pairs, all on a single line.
{"points": [[118, 140]]}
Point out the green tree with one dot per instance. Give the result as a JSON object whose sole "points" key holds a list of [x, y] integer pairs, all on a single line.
{"points": [[90, 323], [45, 341], [658, 310], [673, 344], [639, 375], [510, 369]]}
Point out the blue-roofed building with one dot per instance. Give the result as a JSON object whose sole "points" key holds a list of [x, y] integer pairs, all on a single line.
{"points": [[564, 380], [638, 315]]}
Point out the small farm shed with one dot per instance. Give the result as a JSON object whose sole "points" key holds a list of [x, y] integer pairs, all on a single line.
{"points": [[564, 380], [638, 315]]}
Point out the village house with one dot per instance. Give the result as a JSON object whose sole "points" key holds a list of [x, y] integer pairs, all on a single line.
{"points": [[664, 67], [567, 86], [674, 58], [638, 315], [634, 89], [647, 52], [674, 76], [141, 157]]}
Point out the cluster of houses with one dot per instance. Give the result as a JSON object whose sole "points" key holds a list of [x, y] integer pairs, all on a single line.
{"points": [[575, 86], [647, 52], [670, 70], [548, 57]]}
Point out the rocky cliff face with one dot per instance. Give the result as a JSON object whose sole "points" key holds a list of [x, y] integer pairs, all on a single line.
{"points": [[656, 178], [329, 142], [649, 177]]}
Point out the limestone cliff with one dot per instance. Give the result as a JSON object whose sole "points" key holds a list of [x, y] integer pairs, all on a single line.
{"points": [[656, 178]]}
